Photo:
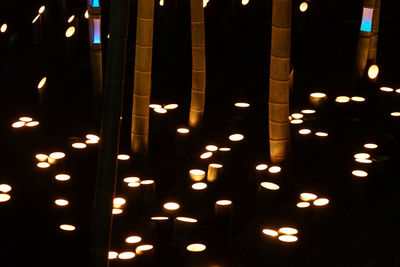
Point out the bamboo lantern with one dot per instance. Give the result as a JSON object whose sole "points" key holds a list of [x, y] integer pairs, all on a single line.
{"points": [[198, 64], [375, 31], [279, 83], [142, 82]]}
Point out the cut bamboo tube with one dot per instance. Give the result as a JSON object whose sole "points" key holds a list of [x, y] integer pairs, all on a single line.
{"points": [[375, 31]]}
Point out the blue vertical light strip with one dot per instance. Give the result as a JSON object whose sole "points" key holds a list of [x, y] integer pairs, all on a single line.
{"points": [[366, 23], [96, 31], [95, 3]]}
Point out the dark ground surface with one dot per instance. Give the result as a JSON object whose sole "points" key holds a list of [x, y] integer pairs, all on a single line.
{"points": [[358, 228]]}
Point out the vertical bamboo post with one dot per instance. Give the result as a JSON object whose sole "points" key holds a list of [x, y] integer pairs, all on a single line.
{"points": [[279, 80], [142, 82], [110, 128], [95, 53], [375, 31], [198, 64]]}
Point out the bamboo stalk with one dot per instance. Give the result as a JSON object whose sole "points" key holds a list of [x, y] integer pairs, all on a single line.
{"points": [[198, 63], [279, 82], [375, 31], [142, 82], [110, 129]]}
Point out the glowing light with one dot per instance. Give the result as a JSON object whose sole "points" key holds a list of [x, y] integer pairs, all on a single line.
{"points": [[261, 167], [18, 124], [32, 123], [296, 121], [127, 255], [96, 31], [196, 174], [70, 31], [3, 27], [4, 197], [398, 91], [131, 179], [358, 98], [133, 239], [308, 196], [362, 156], [112, 255], [386, 89], [224, 202], [42, 82], [288, 238], [62, 177], [245, 2], [79, 145], [161, 2], [318, 95], [160, 110], [288, 230], [25, 119], [4, 188], [41, 9], [117, 211], [71, 18], [186, 219], [216, 165], [297, 115], [236, 137], [147, 182], [395, 114], [304, 131], [155, 106], [321, 202], [171, 106], [41, 157], [211, 148], [57, 155], [134, 184], [205, 2], [43, 165], [371, 146], [224, 149], [183, 130], [123, 157], [36, 18], [367, 161], [159, 218], [321, 134], [373, 71], [308, 111], [342, 99], [90, 141], [86, 14], [366, 23], [303, 204], [303, 7], [140, 249], [199, 186], [196, 247], [92, 137], [171, 206], [360, 173], [274, 169], [119, 201], [206, 155], [270, 232], [61, 202], [242, 105], [270, 186], [95, 3], [67, 227]]}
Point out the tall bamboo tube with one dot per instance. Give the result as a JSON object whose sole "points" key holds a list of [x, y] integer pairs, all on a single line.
{"points": [[95, 56], [110, 129], [375, 31], [198, 63], [142, 83], [279, 80]]}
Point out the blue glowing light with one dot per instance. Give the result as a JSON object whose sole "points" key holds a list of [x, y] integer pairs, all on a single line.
{"points": [[96, 31], [95, 3], [366, 23]]}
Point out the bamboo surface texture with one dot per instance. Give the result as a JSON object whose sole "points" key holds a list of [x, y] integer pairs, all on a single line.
{"points": [[279, 82], [198, 64], [375, 31], [142, 82]]}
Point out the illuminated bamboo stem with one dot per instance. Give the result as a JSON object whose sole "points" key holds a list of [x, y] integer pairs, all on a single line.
{"points": [[198, 64], [142, 83], [375, 31], [279, 82], [110, 129]]}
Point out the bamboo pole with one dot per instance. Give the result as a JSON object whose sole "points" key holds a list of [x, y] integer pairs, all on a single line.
{"points": [[198, 64], [110, 128], [142, 82], [375, 31], [279, 82], [95, 55]]}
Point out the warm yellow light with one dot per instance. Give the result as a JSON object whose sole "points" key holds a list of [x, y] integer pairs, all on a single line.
{"points": [[360, 173], [123, 157], [147, 182], [131, 179], [197, 175], [86, 14], [171, 106], [91, 141], [57, 155], [116, 211], [196, 247], [25, 119], [3, 27], [224, 149], [270, 232], [183, 130], [134, 184], [153, 106], [303, 204], [159, 218], [358, 98], [297, 115], [70, 31], [161, 2], [395, 114], [303, 6], [342, 99], [119, 201], [224, 202], [4, 188], [61, 202], [199, 186], [364, 161], [216, 165], [205, 2], [304, 131], [242, 105], [245, 2], [274, 169], [398, 91], [79, 145], [373, 71], [71, 18], [236, 137], [261, 167], [321, 202], [133, 239], [127, 255], [92, 137], [362, 156], [41, 157], [32, 123], [296, 121], [288, 238], [211, 148], [288, 230], [143, 248], [4, 197], [186, 219], [206, 155], [36, 18], [321, 134], [43, 165], [318, 95], [67, 227], [308, 111], [41, 9], [270, 186], [18, 124], [63, 177], [171, 206], [308, 196], [386, 89], [160, 110], [112, 254], [371, 146]]}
